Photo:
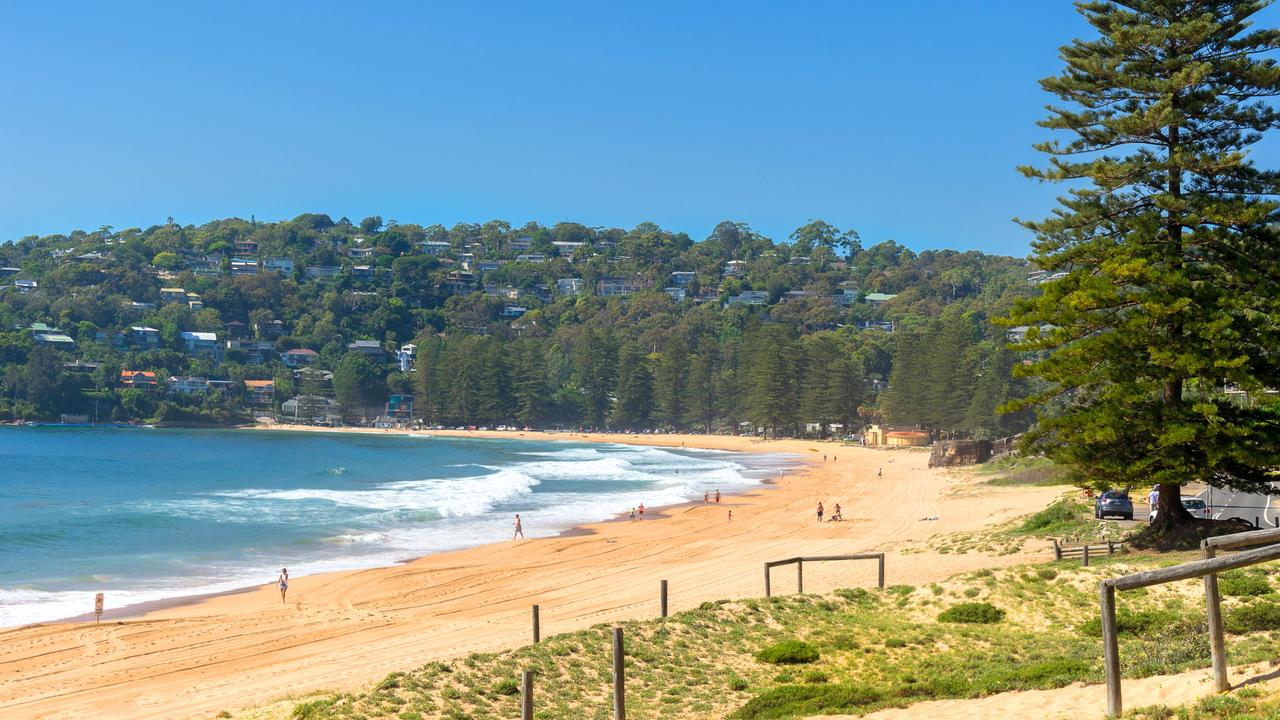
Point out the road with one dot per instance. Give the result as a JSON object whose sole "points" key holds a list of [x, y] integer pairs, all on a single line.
{"points": [[1229, 503]]}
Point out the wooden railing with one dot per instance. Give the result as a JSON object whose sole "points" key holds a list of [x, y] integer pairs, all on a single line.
{"points": [[1084, 552], [800, 561], [1208, 569]]}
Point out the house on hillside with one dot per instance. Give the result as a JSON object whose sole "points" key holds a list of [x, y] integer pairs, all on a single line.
{"points": [[188, 385], [255, 352], [360, 253], [55, 340], [618, 286], [502, 292], [677, 293], [140, 379], [26, 286], [281, 265], [734, 268], [532, 258], [244, 266], [434, 247], [299, 357], [371, 348], [569, 286], [144, 338], [80, 367], [681, 278], [172, 294], [246, 247], [405, 355], [748, 297], [323, 272], [202, 344], [879, 298], [261, 392]]}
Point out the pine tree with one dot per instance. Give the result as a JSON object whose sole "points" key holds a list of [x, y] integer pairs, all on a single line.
{"points": [[528, 382], [634, 403], [671, 380], [775, 362], [701, 407], [1170, 287], [596, 374]]}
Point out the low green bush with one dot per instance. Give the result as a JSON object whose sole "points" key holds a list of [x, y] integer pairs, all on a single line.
{"points": [[1253, 617], [790, 701], [972, 612], [1243, 584], [1056, 519], [508, 686], [788, 652], [815, 677], [1129, 622], [312, 709]]}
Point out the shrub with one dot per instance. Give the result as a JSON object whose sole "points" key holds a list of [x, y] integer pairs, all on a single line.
{"points": [[1129, 622], [1047, 573], [1253, 617], [1242, 584], [1059, 516], [312, 710], [971, 592], [973, 612], [788, 652], [736, 683], [861, 596], [508, 686], [803, 700], [815, 677]]}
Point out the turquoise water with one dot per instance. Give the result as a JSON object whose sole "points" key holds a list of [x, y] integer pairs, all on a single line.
{"points": [[146, 514]]}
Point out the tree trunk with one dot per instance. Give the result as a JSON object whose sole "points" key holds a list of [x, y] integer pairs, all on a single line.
{"points": [[1170, 509]]}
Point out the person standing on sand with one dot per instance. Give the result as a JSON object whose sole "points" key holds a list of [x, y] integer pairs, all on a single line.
{"points": [[730, 516], [819, 511], [641, 511], [706, 496], [718, 496], [879, 472], [283, 582], [633, 514], [519, 528], [824, 458]]}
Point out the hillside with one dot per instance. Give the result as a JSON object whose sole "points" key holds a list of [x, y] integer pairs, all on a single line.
{"points": [[537, 326]]}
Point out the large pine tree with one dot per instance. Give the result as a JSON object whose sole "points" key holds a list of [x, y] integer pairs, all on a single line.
{"points": [[1171, 265]]}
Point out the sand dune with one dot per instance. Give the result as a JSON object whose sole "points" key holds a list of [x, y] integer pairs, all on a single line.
{"points": [[345, 630]]}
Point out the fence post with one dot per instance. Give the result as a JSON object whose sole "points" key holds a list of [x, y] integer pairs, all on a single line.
{"points": [[1217, 642], [537, 631], [664, 598], [619, 694], [1111, 548], [1086, 556], [1110, 649], [1256, 524], [1057, 550], [881, 563], [800, 575], [766, 579], [526, 695]]}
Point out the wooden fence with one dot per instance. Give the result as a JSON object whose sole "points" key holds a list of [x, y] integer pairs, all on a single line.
{"points": [[1208, 569], [1084, 552], [800, 561]]}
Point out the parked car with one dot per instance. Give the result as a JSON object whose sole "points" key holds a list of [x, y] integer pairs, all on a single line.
{"points": [[1113, 503], [1195, 506]]}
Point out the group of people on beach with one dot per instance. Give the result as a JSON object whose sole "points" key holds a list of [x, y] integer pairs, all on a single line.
{"points": [[836, 516]]}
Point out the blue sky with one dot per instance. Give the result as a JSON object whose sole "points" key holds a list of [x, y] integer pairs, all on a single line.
{"points": [[901, 120]]}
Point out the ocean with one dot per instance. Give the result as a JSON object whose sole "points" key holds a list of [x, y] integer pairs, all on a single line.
{"points": [[150, 514]]}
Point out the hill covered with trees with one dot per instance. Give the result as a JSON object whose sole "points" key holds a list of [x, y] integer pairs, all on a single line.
{"points": [[493, 324]]}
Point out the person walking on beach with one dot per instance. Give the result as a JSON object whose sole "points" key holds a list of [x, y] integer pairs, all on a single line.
{"points": [[706, 496], [283, 582], [641, 511], [633, 514], [730, 516], [519, 528], [717, 496], [879, 472], [819, 511]]}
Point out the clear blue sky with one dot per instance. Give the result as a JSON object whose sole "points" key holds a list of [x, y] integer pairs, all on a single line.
{"points": [[901, 120]]}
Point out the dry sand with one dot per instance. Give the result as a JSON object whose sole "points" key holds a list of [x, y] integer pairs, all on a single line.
{"points": [[345, 630]]}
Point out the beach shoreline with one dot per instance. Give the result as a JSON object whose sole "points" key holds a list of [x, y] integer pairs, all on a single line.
{"points": [[347, 629], [140, 610]]}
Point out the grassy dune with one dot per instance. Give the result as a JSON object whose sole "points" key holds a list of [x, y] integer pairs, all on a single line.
{"points": [[1029, 627]]}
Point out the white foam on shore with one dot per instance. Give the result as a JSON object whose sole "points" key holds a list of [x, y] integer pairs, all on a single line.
{"points": [[396, 521]]}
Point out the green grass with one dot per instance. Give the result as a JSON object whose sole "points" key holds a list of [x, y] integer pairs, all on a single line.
{"points": [[1064, 517], [974, 613], [866, 649], [1020, 471], [1242, 583]]}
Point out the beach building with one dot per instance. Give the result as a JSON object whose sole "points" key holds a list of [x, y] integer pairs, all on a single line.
{"points": [[314, 409], [896, 436], [299, 357], [261, 392], [202, 344], [141, 379]]}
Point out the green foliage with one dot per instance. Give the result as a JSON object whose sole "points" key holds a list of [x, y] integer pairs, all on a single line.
{"points": [[1241, 583], [1060, 518], [978, 613], [1253, 617], [790, 701], [1166, 253], [507, 686], [788, 652]]}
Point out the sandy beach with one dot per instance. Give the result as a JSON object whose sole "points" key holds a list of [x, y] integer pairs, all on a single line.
{"points": [[345, 630]]}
